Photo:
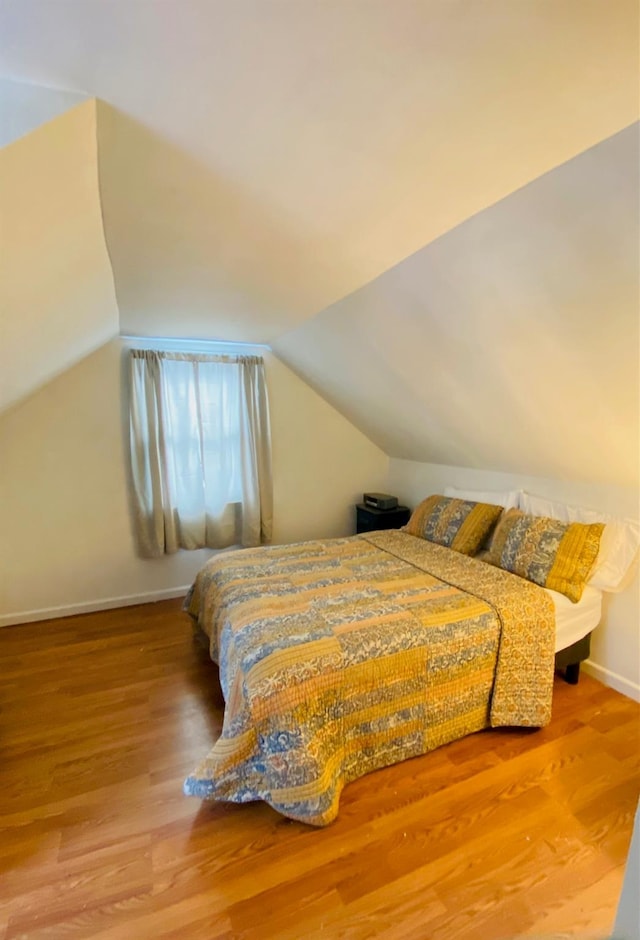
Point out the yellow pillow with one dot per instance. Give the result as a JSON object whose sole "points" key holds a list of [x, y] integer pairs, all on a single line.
{"points": [[553, 554], [460, 524]]}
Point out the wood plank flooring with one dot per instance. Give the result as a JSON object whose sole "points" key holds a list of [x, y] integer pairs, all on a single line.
{"points": [[508, 833]]}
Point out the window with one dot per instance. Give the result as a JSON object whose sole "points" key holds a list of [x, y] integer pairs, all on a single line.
{"points": [[200, 451]]}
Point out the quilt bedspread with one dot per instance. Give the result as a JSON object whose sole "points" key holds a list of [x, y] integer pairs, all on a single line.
{"points": [[341, 656]]}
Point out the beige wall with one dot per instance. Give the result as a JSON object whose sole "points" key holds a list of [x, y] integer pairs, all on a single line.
{"points": [[56, 288], [321, 463], [615, 647], [65, 540]]}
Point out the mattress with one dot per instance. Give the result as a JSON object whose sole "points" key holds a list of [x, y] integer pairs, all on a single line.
{"points": [[573, 621]]}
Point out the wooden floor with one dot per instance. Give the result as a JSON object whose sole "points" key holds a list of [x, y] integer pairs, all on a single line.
{"points": [[504, 834]]}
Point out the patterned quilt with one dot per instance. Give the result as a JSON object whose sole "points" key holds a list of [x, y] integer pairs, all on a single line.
{"points": [[341, 656]]}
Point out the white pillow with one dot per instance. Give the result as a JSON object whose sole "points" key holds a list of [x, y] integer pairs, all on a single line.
{"points": [[618, 545], [506, 498]]}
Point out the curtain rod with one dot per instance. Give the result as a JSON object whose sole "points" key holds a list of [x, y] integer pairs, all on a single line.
{"points": [[184, 341]]}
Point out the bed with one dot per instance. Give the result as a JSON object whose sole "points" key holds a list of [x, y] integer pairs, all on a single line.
{"points": [[338, 657], [574, 626]]}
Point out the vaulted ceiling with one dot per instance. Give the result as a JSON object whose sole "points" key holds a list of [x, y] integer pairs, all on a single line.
{"points": [[266, 167], [517, 336]]}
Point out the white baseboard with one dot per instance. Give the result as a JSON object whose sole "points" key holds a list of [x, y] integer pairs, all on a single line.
{"points": [[612, 679], [105, 603]]}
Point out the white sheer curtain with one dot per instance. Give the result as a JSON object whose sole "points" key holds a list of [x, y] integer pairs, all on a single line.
{"points": [[200, 451]]}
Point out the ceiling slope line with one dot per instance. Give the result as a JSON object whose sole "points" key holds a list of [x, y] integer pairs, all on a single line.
{"points": [[434, 241]]}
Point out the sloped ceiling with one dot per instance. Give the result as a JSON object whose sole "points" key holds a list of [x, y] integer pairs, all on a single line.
{"points": [[267, 165], [57, 299], [24, 107], [261, 159], [510, 343]]}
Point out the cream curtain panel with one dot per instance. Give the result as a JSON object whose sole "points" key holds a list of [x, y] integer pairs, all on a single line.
{"points": [[200, 451]]}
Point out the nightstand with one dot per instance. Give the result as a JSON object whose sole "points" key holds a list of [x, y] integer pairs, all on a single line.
{"points": [[370, 520]]}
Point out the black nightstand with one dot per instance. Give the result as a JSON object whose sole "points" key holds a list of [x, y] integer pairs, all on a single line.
{"points": [[370, 520]]}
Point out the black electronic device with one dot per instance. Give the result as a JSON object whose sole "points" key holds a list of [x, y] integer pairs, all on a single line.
{"points": [[380, 501]]}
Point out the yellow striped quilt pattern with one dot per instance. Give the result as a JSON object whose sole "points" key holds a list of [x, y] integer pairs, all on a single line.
{"points": [[341, 656]]}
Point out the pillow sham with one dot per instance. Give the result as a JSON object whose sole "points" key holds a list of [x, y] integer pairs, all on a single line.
{"points": [[460, 524], [505, 498], [618, 546], [553, 554]]}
